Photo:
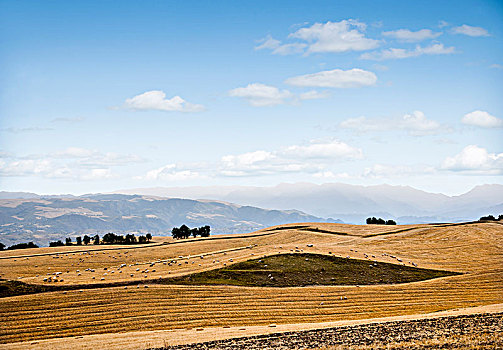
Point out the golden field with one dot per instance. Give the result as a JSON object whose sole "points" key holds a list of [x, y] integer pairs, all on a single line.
{"points": [[473, 249]]}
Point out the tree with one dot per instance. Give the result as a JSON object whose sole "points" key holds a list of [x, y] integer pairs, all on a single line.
{"points": [[96, 240], [109, 238], [86, 239], [142, 239], [487, 218], [56, 244], [2, 246], [175, 232], [500, 217], [204, 231], [68, 241], [369, 221], [148, 236], [78, 240], [130, 239], [23, 246], [390, 222], [184, 231]]}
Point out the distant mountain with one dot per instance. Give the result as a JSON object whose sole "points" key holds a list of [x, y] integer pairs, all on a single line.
{"points": [[17, 195], [351, 203], [42, 219]]}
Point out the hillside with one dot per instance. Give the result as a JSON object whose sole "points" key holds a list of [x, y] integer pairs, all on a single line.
{"points": [[43, 219], [177, 292]]}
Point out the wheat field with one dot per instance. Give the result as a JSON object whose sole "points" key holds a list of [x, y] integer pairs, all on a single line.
{"points": [[473, 249]]}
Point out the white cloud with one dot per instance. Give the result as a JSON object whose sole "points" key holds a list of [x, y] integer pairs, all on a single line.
{"points": [[346, 35], [336, 78], [322, 149], [470, 31], [170, 172], [25, 167], [268, 43], [308, 158], [74, 152], [313, 95], [72, 163], [475, 160], [156, 100], [394, 53], [247, 159], [443, 24], [89, 157], [496, 66], [47, 168], [482, 119], [260, 95], [98, 174], [410, 36], [280, 49], [329, 175], [415, 124]]}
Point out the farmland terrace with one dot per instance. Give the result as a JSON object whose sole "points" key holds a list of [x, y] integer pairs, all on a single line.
{"points": [[222, 283]]}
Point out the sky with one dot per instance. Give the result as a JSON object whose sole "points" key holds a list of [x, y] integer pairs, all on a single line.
{"points": [[97, 96]]}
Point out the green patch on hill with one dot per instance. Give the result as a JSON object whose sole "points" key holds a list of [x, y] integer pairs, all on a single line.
{"points": [[12, 288], [282, 270], [296, 270]]}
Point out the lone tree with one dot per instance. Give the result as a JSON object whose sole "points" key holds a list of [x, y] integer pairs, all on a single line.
{"points": [[86, 239], [148, 236], [78, 240]]}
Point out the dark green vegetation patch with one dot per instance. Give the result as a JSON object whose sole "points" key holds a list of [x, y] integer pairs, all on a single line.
{"points": [[294, 270], [283, 270]]}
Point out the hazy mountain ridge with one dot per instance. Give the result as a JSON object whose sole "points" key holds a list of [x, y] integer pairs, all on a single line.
{"points": [[42, 219], [351, 203]]}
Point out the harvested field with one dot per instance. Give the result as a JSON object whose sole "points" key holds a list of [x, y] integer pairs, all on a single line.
{"points": [[483, 331], [474, 250]]}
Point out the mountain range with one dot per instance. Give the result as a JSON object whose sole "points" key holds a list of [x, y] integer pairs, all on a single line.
{"points": [[352, 203], [28, 217], [41, 218]]}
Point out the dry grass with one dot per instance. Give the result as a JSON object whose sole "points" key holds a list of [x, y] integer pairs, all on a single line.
{"points": [[473, 249]]}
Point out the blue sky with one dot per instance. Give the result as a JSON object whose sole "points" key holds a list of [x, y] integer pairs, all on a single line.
{"points": [[98, 96]]}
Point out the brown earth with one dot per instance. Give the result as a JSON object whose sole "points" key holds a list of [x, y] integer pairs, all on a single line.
{"points": [[473, 249]]}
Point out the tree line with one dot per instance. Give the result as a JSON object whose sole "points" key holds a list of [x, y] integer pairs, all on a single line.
{"points": [[185, 232], [109, 238], [379, 221], [491, 218], [19, 246]]}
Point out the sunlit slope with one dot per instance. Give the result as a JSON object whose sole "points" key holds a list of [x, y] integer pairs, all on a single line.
{"points": [[473, 249]]}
